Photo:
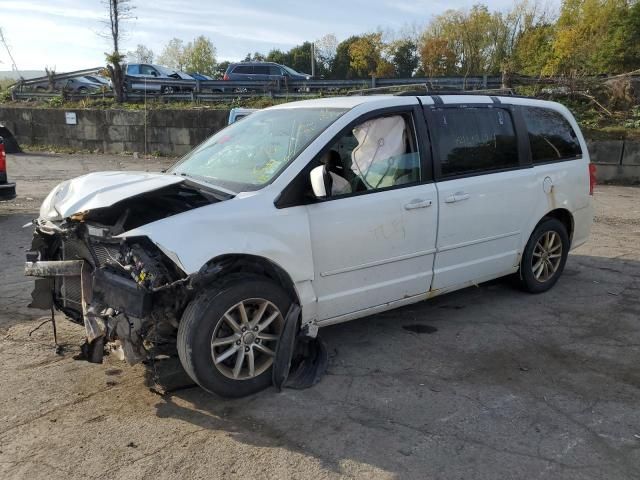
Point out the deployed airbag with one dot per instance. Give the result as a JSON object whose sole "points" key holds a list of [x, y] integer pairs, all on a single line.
{"points": [[378, 140]]}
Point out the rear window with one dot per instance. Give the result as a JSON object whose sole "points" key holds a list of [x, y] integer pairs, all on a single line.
{"points": [[550, 135], [246, 69], [473, 140]]}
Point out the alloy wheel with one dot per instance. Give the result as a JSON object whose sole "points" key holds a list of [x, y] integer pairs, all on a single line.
{"points": [[547, 255], [244, 341]]}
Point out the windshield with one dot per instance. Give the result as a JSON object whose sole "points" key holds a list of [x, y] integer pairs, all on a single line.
{"points": [[249, 154], [291, 70]]}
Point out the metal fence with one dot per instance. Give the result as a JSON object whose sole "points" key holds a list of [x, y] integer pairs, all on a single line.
{"points": [[169, 89]]}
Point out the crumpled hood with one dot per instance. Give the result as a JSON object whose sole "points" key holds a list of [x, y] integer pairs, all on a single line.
{"points": [[99, 190]]}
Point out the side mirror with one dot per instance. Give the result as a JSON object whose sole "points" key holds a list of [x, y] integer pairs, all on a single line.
{"points": [[320, 182]]}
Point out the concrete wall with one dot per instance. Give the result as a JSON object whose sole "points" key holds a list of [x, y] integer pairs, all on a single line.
{"points": [[617, 160], [175, 132], [170, 132]]}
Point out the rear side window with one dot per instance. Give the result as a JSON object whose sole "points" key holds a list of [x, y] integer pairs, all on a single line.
{"points": [[473, 140], [261, 70], [273, 70], [550, 135], [133, 69], [246, 69]]}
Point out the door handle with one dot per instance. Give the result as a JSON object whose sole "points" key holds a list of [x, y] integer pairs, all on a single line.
{"points": [[417, 203], [457, 197]]}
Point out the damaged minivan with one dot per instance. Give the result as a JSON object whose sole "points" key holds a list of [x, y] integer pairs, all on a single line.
{"points": [[308, 214]]}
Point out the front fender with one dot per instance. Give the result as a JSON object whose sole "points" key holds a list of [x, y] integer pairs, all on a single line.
{"points": [[239, 226]]}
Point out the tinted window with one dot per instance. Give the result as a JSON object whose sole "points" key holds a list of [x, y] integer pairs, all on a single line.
{"points": [[261, 70], [133, 69], [246, 69], [148, 70], [475, 139], [550, 135], [273, 70]]}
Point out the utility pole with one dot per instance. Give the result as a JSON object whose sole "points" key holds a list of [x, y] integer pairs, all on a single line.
{"points": [[313, 60], [13, 62]]}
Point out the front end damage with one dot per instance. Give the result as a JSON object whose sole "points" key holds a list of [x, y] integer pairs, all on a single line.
{"points": [[125, 291]]}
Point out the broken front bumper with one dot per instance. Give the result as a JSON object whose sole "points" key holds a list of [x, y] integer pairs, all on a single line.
{"points": [[99, 287]]}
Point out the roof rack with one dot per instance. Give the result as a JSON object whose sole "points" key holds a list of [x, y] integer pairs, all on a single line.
{"points": [[422, 89]]}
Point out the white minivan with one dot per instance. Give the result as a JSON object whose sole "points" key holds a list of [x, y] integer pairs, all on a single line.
{"points": [[308, 214]]}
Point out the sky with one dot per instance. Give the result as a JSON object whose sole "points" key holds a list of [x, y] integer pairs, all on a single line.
{"points": [[66, 34]]}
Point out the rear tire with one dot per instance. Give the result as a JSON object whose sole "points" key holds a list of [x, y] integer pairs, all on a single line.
{"points": [[224, 350], [544, 256]]}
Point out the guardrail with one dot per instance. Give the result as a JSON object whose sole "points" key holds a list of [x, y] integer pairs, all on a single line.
{"points": [[138, 88]]}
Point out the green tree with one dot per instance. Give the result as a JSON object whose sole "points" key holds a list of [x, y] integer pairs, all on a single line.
{"points": [[365, 54], [200, 56], [404, 57], [341, 68], [220, 70], [299, 58], [173, 54]]}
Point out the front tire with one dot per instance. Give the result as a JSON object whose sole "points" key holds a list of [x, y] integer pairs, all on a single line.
{"points": [[544, 256], [228, 335]]}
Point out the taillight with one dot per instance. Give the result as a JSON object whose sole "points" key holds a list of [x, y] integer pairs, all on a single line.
{"points": [[225, 77], [3, 158], [592, 178]]}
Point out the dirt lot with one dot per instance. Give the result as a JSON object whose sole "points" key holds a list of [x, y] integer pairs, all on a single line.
{"points": [[509, 385]]}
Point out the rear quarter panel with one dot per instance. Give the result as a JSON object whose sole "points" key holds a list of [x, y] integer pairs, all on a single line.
{"points": [[570, 179]]}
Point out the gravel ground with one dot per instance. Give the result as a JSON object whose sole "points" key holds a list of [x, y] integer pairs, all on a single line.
{"points": [[507, 385]]}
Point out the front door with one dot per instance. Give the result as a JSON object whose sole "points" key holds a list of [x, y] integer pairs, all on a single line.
{"points": [[375, 244]]}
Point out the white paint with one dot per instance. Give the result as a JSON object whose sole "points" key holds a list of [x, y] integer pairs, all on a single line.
{"points": [[354, 256], [70, 118]]}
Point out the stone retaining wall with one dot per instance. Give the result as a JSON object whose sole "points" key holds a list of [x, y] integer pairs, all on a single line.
{"points": [[175, 132], [617, 160], [170, 132]]}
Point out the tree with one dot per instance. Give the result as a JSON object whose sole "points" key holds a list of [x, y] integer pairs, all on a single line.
{"points": [[220, 70], [437, 57], [365, 54], [404, 57], [278, 56], [325, 48], [200, 56], [119, 12], [341, 68], [141, 54], [299, 57], [173, 54]]}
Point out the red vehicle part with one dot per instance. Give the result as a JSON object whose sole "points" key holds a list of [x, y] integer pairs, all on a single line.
{"points": [[7, 190]]}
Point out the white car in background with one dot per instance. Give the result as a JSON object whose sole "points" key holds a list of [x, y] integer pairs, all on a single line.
{"points": [[312, 213]]}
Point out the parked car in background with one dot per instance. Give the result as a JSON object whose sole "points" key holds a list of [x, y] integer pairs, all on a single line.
{"points": [[200, 76], [309, 214], [262, 71], [104, 81], [141, 71], [73, 85]]}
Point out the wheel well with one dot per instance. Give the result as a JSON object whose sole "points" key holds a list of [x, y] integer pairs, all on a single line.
{"points": [[565, 217], [241, 263], [10, 142]]}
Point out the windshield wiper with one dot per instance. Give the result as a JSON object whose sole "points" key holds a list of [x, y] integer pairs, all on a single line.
{"points": [[207, 180]]}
